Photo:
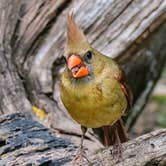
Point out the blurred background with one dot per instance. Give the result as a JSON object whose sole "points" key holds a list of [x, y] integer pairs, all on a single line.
{"points": [[154, 114]]}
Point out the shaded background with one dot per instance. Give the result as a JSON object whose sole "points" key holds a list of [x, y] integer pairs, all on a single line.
{"points": [[154, 114]]}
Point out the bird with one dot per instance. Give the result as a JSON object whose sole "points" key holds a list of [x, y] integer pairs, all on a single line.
{"points": [[93, 88]]}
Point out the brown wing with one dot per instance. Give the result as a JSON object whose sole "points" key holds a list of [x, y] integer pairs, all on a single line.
{"points": [[126, 90], [117, 133]]}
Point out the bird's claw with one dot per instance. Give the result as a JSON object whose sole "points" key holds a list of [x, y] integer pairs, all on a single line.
{"points": [[81, 158]]}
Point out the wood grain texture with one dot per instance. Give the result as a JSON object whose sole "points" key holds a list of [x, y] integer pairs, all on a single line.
{"points": [[148, 149], [12, 92], [24, 141], [111, 27], [27, 142]]}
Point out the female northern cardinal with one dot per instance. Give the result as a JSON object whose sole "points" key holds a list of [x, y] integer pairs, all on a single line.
{"points": [[92, 87]]}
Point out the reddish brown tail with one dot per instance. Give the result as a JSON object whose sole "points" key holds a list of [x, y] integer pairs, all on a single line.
{"points": [[115, 134]]}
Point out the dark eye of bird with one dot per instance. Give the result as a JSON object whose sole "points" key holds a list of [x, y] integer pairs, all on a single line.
{"points": [[88, 55]]}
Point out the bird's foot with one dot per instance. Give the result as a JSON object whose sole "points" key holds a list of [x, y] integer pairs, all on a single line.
{"points": [[117, 152], [81, 158]]}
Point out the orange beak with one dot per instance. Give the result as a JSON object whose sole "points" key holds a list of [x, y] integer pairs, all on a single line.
{"points": [[76, 66]]}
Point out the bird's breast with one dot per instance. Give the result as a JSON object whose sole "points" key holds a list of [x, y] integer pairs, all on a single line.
{"points": [[94, 104]]}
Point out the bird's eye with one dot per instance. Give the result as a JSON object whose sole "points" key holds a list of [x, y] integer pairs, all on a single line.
{"points": [[88, 55]]}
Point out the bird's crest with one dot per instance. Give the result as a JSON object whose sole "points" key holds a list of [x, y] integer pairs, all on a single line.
{"points": [[76, 39]]}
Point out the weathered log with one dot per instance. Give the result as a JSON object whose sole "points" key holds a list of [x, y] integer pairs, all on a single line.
{"points": [[27, 142], [148, 149], [32, 41], [24, 141], [12, 93]]}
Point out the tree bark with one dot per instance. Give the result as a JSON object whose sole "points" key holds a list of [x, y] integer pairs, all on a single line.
{"points": [[12, 94], [24, 141], [32, 39]]}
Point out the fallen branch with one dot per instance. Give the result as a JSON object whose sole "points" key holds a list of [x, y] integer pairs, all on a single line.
{"points": [[24, 141], [146, 149]]}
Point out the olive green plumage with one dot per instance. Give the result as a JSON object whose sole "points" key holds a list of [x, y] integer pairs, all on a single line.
{"points": [[96, 100], [91, 89]]}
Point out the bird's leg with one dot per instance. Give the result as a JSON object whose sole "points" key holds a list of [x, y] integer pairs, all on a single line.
{"points": [[83, 129], [81, 154]]}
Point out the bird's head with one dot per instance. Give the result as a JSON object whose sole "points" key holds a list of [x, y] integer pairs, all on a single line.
{"points": [[78, 52]]}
